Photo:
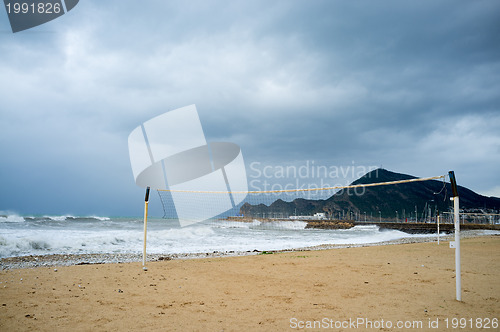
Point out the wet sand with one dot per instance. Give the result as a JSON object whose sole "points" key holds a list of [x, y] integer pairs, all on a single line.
{"points": [[379, 287]]}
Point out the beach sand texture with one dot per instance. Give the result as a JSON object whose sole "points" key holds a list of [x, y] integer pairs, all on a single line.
{"points": [[270, 292]]}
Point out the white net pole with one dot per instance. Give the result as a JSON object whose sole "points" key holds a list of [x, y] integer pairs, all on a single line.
{"points": [[438, 217], [458, 275]]}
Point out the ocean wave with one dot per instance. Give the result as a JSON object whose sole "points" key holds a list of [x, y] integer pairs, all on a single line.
{"points": [[180, 234], [281, 225], [100, 218], [17, 218], [230, 224], [125, 235], [77, 218], [11, 218], [366, 227], [97, 240], [58, 218], [257, 224], [23, 246], [69, 242]]}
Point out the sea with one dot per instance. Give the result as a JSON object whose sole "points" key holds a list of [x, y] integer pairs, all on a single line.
{"points": [[45, 235]]}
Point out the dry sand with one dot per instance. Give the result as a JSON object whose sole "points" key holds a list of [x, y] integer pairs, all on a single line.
{"points": [[379, 287]]}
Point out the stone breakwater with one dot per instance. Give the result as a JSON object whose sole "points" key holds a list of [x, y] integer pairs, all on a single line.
{"points": [[87, 259], [330, 224], [428, 228]]}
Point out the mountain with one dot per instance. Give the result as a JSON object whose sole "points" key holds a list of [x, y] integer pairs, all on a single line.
{"points": [[385, 202]]}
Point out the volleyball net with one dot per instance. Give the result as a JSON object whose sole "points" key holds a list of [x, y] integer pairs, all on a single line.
{"points": [[354, 202]]}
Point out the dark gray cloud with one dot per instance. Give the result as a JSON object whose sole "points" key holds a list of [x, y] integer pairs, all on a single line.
{"points": [[410, 86]]}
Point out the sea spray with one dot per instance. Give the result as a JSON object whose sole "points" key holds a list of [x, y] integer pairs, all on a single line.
{"points": [[28, 235]]}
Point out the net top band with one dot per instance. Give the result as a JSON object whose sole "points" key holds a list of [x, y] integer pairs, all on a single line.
{"points": [[309, 189]]}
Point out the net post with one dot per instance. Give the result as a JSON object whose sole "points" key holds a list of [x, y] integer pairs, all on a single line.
{"points": [[456, 212], [146, 202], [438, 216], [458, 276]]}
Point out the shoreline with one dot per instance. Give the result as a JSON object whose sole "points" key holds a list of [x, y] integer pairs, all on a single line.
{"points": [[55, 260]]}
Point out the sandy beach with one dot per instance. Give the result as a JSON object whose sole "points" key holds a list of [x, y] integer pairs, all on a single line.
{"points": [[390, 287]]}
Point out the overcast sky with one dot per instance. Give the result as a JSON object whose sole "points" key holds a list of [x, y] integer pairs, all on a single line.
{"points": [[413, 86]]}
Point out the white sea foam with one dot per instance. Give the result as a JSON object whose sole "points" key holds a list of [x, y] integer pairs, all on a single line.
{"points": [[256, 222], [77, 235], [11, 218], [231, 224], [59, 218], [100, 218]]}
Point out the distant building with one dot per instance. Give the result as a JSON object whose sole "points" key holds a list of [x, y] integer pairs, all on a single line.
{"points": [[316, 216]]}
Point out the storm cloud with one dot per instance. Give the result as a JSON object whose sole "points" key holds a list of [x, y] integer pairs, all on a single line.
{"points": [[411, 86]]}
